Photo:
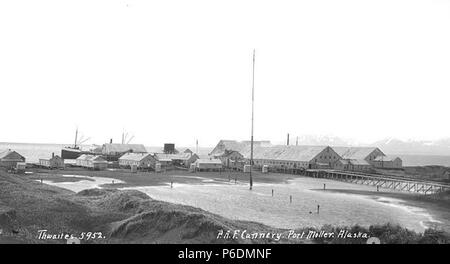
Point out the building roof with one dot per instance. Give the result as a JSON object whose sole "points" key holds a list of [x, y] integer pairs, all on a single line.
{"points": [[179, 156], [51, 157], [355, 153], [354, 162], [209, 161], [91, 157], [284, 152], [11, 155], [226, 153], [238, 146], [122, 148], [186, 150], [387, 158], [161, 150], [135, 156]]}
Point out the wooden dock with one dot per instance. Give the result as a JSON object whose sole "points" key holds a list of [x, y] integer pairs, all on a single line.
{"points": [[380, 181]]}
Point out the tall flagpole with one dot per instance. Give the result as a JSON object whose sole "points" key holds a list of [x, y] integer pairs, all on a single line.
{"points": [[251, 140]]}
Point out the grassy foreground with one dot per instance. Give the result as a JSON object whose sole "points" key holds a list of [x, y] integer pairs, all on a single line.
{"points": [[27, 206]]}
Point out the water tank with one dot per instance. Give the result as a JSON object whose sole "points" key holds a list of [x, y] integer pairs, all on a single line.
{"points": [[246, 168], [169, 148]]}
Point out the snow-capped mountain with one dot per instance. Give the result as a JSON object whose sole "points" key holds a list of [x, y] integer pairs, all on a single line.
{"points": [[422, 147], [321, 140], [388, 145]]}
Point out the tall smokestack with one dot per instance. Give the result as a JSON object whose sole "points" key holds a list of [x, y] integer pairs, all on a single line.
{"points": [[296, 142], [288, 139], [110, 141], [196, 147]]}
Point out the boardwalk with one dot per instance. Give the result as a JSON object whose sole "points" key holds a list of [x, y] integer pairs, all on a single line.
{"points": [[381, 181]]}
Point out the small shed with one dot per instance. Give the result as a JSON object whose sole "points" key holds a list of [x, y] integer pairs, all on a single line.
{"points": [[208, 164]]}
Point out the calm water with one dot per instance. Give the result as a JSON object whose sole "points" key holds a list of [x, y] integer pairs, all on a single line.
{"points": [[235, 201]]}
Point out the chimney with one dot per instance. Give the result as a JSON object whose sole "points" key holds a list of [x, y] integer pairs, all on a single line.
{"points": [[110, 141], [288, 139], [53, 155], [196, 146]]}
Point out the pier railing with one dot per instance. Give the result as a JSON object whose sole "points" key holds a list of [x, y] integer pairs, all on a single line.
{"points": [[380, 181]]}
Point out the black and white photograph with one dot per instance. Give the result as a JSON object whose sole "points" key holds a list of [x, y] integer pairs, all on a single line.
{"points": [[225, 122]]}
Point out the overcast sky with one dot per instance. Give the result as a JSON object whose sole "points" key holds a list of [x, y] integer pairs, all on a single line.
{"points": [[177, 71]]}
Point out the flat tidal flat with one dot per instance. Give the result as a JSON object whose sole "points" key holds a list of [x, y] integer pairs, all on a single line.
{"points": [[340, 204]]}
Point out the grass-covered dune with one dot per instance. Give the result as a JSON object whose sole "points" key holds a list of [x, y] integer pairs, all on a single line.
{"points": [[27, 206]]}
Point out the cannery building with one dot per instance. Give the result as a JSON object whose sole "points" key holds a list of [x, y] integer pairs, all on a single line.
{"points": [[292, 157]]}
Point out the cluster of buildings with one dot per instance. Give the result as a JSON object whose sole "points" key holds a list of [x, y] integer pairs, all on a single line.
{"points": [[137, 157], [234, 154], [226, 154]]}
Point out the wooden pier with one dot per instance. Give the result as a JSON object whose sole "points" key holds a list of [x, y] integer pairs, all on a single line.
{"points": [[381, 181]]}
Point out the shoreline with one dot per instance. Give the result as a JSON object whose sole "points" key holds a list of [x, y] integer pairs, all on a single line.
{"points": [[138, 181], [64, 203], [438, 210]]}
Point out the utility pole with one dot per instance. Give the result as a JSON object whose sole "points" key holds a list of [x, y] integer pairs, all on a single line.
{"points": [[251, 139]]}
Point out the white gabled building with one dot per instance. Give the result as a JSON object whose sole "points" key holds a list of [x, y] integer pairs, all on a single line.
{"points": [[208, 164], [140, 160], [94, 162]]}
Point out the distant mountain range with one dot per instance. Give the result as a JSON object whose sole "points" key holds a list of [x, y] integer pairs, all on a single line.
{"points": [[318, 140], [389, 145], [436, 147]]}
